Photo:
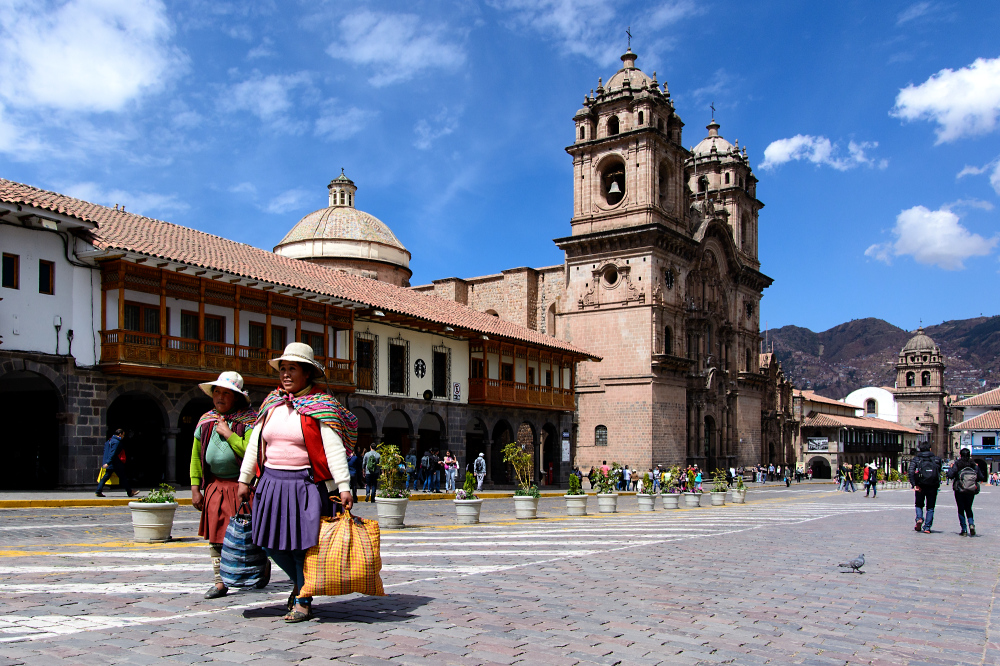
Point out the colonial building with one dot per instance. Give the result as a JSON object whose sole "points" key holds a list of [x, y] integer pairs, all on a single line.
{"points": [[661, 278], [778, 424], [128, 314], [921, 398], [979, 428]]}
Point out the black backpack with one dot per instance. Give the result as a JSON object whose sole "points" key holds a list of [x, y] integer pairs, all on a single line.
{"points": [[967, 480], [928, 472]]}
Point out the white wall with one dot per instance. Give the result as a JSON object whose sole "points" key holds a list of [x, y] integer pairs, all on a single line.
{"points": [[884, 399], [26, 316]]}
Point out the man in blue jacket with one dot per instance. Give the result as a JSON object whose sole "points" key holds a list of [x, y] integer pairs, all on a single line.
{"points": [[113, 463]]}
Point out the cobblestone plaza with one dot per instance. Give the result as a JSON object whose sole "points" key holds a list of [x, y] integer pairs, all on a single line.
{"points": [[741, 584]]}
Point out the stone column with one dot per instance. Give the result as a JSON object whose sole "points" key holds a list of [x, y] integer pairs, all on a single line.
{"points": [[171, 435]]}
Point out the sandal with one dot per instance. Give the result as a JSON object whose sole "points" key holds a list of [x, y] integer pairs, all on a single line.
{"points": [[298, 616], [291, 600]]}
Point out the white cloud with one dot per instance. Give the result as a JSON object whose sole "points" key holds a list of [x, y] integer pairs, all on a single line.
{"points": [[336, 123], [992, 167], [429, 130], [934, 238], [395, 47], [267, 97], [288, 200], [963, 103], [819, 150], [262, 50], [914, 12], [244, 188], [85, 55], [143, 203]]}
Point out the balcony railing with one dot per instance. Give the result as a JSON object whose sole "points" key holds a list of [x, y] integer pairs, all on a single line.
{"points": [[500, 392], [120, 346]]}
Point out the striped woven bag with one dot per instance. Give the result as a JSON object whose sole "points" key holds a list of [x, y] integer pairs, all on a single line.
{"points": [[244, 563], [346, 559]]}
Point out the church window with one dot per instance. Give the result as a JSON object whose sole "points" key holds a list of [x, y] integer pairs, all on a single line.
{"points": [[746, 359], [601, 435], [668, 341], [925, 378], [659, 124], [613, 125], [350, 199], [871, 407], [702, 184], [668, 278], [640, 118], [342, 197], [581, 131], [613, 182], [910, 379], [749, 308], [727, 179], [611, 276], [745, 233]]}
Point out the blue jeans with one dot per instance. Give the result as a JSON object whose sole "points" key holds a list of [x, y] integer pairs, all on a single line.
{"points": [[930, 496], [436, 479], [427, 482], [292, 562], [116, 467]]}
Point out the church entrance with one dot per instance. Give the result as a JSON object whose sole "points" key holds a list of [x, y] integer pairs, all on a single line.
{"points": [[711, 445]]}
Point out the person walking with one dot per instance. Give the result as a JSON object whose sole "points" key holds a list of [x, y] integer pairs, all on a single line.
{"points": [[300, 441], [924, 473], [966, 476], [410, 463], [450, 471], [220, 440], [626, 479], [479, 469], [425, 470], [357, 478], [371, 466], [437, 467], [113, 462], [871, 480], [697, 478]]}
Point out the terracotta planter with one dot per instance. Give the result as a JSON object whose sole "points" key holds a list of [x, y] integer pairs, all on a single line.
{"points": [[607, 502], [646, 502], [719, 499], [670, 500], [525, 507], [692, 499], [391, 511], [151, 523], [576, 505], [467, 511]]}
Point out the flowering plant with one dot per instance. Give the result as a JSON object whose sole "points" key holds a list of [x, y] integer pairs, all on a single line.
{"points": [[607, 481], [673, 480], [719, 479], [391, 465], [468, 489]]}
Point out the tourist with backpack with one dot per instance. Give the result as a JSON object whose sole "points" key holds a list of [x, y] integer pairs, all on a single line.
{"points": [[425, 470], [925, 478], [371, 464], [479, 469], [871, 480], [966, 477]]}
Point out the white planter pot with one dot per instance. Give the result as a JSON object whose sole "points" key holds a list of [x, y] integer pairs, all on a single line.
{"points": [[719, 499], [739, 496], [670, 500], [646, 502], [467, 511], [607, 502], [525, 508], [692, 499], [576, 505], [391, 511], [151, 523]]}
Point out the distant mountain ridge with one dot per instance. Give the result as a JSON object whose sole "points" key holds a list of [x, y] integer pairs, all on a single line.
{"points": [[863, 352]]}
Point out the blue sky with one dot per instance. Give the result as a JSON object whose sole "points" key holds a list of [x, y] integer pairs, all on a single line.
{"points": [[873, 127]]}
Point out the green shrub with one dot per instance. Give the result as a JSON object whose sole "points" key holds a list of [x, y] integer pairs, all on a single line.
{"points": [[574, 486], [162, 495]]}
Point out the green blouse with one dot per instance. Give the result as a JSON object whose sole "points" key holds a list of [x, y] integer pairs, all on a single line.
{"points": [[223, 457]]}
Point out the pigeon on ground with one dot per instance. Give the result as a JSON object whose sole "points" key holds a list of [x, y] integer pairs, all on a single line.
{"points": [[855, 564]]}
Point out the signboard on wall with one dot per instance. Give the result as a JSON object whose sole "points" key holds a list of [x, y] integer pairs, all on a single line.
{"points": [[565, 446], [967, 440], [457, 393], [817, 444]]}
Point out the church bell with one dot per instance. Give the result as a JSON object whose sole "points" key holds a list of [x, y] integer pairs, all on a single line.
{"points": [[614, 189]]}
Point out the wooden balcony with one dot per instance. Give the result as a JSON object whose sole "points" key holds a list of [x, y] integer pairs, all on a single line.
{"points": [[133, 353], [519, 394]]}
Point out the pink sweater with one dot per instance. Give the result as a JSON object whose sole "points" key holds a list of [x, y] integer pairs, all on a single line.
{"points": [[286, 445]]}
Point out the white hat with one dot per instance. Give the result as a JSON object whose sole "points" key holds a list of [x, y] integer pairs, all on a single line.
{"points": [[227, 380], [299, 352], [481, 455]]}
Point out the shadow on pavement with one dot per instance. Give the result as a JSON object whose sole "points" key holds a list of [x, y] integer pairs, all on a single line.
{"points": [[368, 610]]}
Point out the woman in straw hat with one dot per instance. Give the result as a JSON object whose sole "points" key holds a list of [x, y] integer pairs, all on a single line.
{"points": [[302, 438], [220, 440]]}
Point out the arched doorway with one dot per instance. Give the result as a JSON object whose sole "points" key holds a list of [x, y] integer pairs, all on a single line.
{"points": [[526, 438], [820, 467], [496, 468], [397, 430], [366, 429], [551, 455], [142, 419], [710, 445], [190, 415], [771, 455], [475, 440], [31, 433], [431, 431]]}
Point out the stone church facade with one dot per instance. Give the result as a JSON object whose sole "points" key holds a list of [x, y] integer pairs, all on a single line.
{"points": [[661, 279]]}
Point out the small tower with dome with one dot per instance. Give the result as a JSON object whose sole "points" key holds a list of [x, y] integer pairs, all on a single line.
{"points": [[920, 393], [341, 236]]}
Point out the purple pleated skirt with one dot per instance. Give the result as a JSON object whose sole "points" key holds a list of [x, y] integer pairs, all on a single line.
{"points": [[286, 510]]}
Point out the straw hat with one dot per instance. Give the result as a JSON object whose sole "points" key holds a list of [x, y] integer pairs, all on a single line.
{"points": [[299, 352], [227, 380]]}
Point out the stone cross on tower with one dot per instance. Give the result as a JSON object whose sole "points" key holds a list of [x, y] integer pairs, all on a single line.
{"points": [[628, 31]]}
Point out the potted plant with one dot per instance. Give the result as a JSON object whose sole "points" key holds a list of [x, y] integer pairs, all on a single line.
{"points": [[467, 503], [153, 515], [526, 496], [607, 498], [692, 496], [647, 501], [739, 491], [391, 497], [719, 488], [576, 499], [672, 497]]}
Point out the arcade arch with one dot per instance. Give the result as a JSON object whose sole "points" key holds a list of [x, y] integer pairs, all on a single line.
{"points": [[32, 454]]}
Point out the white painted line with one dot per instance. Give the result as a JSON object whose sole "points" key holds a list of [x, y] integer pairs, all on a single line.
{"points": [[102, 588], [484, 553], [137, 555], [55, 526], [103, 569]]}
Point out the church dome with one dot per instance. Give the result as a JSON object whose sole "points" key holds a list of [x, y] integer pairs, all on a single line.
{"points": [[919, 342], [341, 236], [712, 141], [635, 77]]}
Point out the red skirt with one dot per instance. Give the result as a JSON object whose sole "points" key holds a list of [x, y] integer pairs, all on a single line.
{"points": [[220, 506]]}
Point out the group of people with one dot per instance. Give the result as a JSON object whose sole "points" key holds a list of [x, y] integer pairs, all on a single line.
{"points": [[924, 473], [287, 462]]}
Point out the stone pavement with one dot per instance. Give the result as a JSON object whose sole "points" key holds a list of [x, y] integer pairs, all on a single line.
{"points": [[747, 584]]}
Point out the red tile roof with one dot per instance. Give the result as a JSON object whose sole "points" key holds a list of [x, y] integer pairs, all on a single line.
{"points": [[833, 421], [988, 399], [118, 230], [988, 421], [812, 396]]}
